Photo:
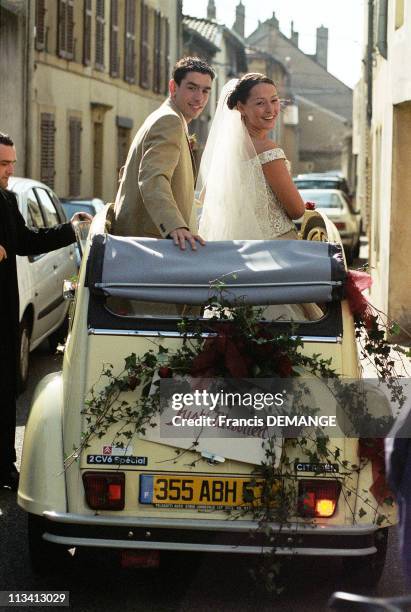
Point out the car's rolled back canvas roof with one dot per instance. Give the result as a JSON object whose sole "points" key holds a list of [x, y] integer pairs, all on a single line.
{"points": [[256, 271]]}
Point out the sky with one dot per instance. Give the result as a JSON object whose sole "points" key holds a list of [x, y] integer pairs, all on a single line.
{"points": [[343, 18]]}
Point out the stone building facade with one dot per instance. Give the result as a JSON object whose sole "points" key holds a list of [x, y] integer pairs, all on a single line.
{"points": [[93, 71], [383, 128]]}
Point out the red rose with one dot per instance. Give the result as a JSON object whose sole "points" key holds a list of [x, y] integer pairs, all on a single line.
{"points": [[165, 372], [310, 206], [284, 366]]}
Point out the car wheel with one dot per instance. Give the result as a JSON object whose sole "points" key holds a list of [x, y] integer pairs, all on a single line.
{"points": [[45, 557], [58, 336], [315, 230], [367, 570], [24, 354]]}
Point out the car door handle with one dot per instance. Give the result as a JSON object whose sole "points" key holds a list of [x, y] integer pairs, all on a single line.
{"points": [[55, 266]]}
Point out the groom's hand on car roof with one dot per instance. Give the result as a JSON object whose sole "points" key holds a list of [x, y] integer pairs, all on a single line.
{"points": [[181, 234]]}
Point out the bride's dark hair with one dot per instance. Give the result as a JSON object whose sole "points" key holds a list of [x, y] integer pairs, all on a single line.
{"points": [[244, 86]]}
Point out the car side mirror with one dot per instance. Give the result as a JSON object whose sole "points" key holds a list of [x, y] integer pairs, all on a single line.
{"points": [[69, 289]]}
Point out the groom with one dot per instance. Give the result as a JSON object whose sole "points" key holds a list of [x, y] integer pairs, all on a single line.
{"points": [[156, 193]]}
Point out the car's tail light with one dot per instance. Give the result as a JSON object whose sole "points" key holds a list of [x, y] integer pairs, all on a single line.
{"points": [[340, 225], [140, 558], [104, 490], [318, 498]]}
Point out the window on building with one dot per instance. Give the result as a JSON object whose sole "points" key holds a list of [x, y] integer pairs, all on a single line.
{"points": [[158, 52], [382, 20], [40, 24], [376, 213], [47, 148], [399, 13], [129, 42], [114, 61], [123, 145], [74, 156], [100, 24], [166, 56], [98, 159], [87, 32], [144, 47], [65, 31]]}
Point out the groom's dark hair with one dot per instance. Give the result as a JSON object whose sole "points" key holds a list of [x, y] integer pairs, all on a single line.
{"points": [[190, 64]]}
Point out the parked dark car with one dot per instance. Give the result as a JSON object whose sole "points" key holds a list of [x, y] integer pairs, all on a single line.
{"points": [[322, 180]]}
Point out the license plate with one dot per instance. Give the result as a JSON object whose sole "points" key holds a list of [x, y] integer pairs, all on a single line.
{"points": [[198, 491]]}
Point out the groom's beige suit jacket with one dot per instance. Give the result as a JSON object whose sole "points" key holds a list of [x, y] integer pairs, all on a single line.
{"points": [[156, 192]]}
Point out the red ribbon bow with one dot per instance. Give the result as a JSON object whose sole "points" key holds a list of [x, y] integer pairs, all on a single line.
{"points": [[222, 350], [356, 283], [373, 449]]}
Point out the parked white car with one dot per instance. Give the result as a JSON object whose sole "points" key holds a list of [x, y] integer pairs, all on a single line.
{"points": [[336, 205], [43, 312]]}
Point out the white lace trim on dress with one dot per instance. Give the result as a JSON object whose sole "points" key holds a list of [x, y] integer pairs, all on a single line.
{"points": [[279, 222]]}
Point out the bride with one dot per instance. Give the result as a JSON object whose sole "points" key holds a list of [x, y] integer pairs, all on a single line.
{"points": [[244, 178]]}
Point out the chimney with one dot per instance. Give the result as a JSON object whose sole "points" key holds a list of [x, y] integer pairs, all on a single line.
{"points": [[274, 21], [294, 35], [239, 19], [211, 12], [321, 54]]}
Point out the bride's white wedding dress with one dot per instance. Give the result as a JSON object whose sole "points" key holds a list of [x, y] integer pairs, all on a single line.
{"points": [[238, 203], [279, 223]]}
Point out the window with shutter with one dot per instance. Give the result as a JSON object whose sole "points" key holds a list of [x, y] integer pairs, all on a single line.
{"points": [[144, 48], [167, 56], [40, 24], [123, 144], [100, 23], [87, 33], [114, 38], [70, 30], [47, 148], [74, 156], [65, 38], [62, 28], [98, 159], [157, 53], [129, 42]]}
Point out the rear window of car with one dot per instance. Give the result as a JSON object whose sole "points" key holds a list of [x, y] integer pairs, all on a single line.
{"points": [[319, 184], [34, 216], [49, 210], [322, 199], [280, 313], [70, 208]]}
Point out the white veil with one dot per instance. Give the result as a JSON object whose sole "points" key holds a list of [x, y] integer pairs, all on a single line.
{"points": [[231, 180]]}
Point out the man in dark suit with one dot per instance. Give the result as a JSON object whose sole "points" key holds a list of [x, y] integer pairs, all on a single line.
{"points": [[16, 239]]}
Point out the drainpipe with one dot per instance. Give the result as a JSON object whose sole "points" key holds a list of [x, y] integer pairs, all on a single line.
{"points": [[28, 90], [370, 47]]}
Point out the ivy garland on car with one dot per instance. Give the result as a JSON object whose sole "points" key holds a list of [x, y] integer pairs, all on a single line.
{"points": [[240, 344]]}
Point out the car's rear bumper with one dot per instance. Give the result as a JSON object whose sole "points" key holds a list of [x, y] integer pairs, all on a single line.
{"points": [[220, 536]]}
